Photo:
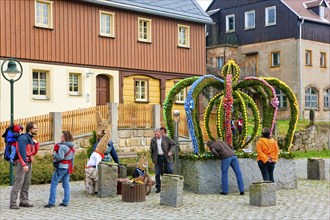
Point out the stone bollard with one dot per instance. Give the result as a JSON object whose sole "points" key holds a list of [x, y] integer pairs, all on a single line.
{"points": [[315, 169], [172, 190], [122, 171], [108, 175], [262, 194]]}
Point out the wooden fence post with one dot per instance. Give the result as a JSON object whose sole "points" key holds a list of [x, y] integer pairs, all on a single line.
{"points": [[157, 116], [57, 126], [114, 122]]}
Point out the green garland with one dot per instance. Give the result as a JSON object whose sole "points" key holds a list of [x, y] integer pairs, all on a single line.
{"points": [[169, 101], [293, 107]]}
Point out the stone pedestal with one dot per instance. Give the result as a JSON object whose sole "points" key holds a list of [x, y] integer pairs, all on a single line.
{"points": [[262, 194], [133, 192], [315, 169], [172, 190], [108, 175], [122, 171]]}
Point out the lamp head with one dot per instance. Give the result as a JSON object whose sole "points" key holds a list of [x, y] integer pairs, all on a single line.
{"points": [[12, 69], [176, 115]]}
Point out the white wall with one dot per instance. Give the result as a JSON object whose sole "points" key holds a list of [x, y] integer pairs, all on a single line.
{"points": [[59, 99]]}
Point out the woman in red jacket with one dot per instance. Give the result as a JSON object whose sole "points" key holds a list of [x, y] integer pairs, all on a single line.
{"points": [[267, 151]]}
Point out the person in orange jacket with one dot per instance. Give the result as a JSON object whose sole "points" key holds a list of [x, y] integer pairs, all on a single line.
{"points": [[267, 151]]}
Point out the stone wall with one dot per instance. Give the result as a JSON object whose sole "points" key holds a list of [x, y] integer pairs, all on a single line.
{"points": [[204, 177]]}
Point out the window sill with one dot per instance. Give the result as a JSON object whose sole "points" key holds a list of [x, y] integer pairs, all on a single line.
{"points": [[275, 67], [283, 109], [75, 94], [44, 27], [144, 41], [179, 103], [315, 109], [107, 36], [146, 102], [308, 65], [249, 28], [232, 31], [184, 47], [326, 109], [271, 24], [40, 98]]}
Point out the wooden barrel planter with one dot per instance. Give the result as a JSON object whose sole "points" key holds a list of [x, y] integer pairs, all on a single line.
{"points": [[133, 192]]}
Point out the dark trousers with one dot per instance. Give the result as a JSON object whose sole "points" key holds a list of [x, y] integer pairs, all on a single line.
{"points": [[267, 170], [162, 166]]}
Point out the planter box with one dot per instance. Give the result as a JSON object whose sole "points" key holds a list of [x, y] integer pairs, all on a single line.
{"points": [[204, 177]]}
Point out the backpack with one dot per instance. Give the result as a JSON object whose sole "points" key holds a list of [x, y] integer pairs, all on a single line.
{"points": [[7, 152]]}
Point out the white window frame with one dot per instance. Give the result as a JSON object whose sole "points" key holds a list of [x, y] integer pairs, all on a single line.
{"points": [[283, 100], [104, 27], [247, 19], [144, 31], [311, 99], [323, 60], [39, 20], [227, 23], [308, 58], [40, 84], [321, 12], [140, 91], [183, 37], [220, 62], [267, 10], [76, 83], [326, 103], [278, 54]]}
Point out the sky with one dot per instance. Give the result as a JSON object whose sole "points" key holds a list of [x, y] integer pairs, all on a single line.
{"points": [[204, 3]]}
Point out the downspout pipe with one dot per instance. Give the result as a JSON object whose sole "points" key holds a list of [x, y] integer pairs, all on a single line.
{"points": [[300, 58]]}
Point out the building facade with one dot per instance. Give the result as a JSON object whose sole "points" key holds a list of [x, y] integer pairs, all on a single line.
{"points": [[289, 40], [78, 54]]}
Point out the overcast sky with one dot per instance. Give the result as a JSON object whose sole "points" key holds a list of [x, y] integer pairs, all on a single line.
{"points": [[204, 3]]}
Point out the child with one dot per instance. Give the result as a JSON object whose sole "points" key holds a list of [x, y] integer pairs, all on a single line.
{"points": [[11, 139], [240, 125]]}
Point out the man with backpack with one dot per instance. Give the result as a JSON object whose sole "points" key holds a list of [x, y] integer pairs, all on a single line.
{"points": [[27, 148]]}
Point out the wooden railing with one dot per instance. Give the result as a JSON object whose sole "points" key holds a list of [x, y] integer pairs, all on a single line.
{"points": [[44, 123], [83, 121], [135, 116]]}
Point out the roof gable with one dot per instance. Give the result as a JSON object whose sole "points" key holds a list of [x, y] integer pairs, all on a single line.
{"points": [[188, 10], [302, 9]]}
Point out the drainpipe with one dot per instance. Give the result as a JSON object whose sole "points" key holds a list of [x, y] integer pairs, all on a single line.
{"points": [[300, 70]]}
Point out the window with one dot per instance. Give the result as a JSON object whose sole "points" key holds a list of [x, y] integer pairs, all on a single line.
{"points": [[39, 84], [183, 36], [308, 57], [283, 103], [230, 23], [323, 59], [181, 96], [74, 83], [275, 56], [43, 14], [141, 90], [144, 29], [220, 63], [327, 99], [270, 14], [311, 98], [107, 24], [249, 20], [321, 12]]}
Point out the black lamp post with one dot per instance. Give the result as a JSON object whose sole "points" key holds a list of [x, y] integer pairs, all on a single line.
{"points": [[12, 74], [176, 118]]}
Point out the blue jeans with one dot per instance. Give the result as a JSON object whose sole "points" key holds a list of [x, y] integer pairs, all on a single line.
{"points": [[267, 170], [162, 166], [233, 162], [60, 174]]}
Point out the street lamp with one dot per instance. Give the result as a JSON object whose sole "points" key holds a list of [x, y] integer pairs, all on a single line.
{"points": [[176, 118], [11, 74]]}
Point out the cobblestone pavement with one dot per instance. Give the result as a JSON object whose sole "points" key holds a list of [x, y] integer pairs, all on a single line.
{"points": [[311, 200]]}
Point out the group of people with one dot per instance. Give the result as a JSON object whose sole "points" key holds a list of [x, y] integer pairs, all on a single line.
{"points": [[267, 151], [161, 148]]}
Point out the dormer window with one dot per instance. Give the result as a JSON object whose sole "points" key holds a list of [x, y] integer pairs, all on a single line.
{"points": [[321, 12]]}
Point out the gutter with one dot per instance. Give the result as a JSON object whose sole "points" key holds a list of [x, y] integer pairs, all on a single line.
{"points": [[150, 11], [300, 68]]}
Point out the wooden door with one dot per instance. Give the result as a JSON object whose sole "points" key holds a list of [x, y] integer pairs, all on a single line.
{"points": [[102, 90]]}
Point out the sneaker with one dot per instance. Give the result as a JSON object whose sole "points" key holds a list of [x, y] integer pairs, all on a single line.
{"points": [[64, 205], [223, 193], [241, 193], [158, 191], [27, 205], [49, 206], [13, 207]]}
